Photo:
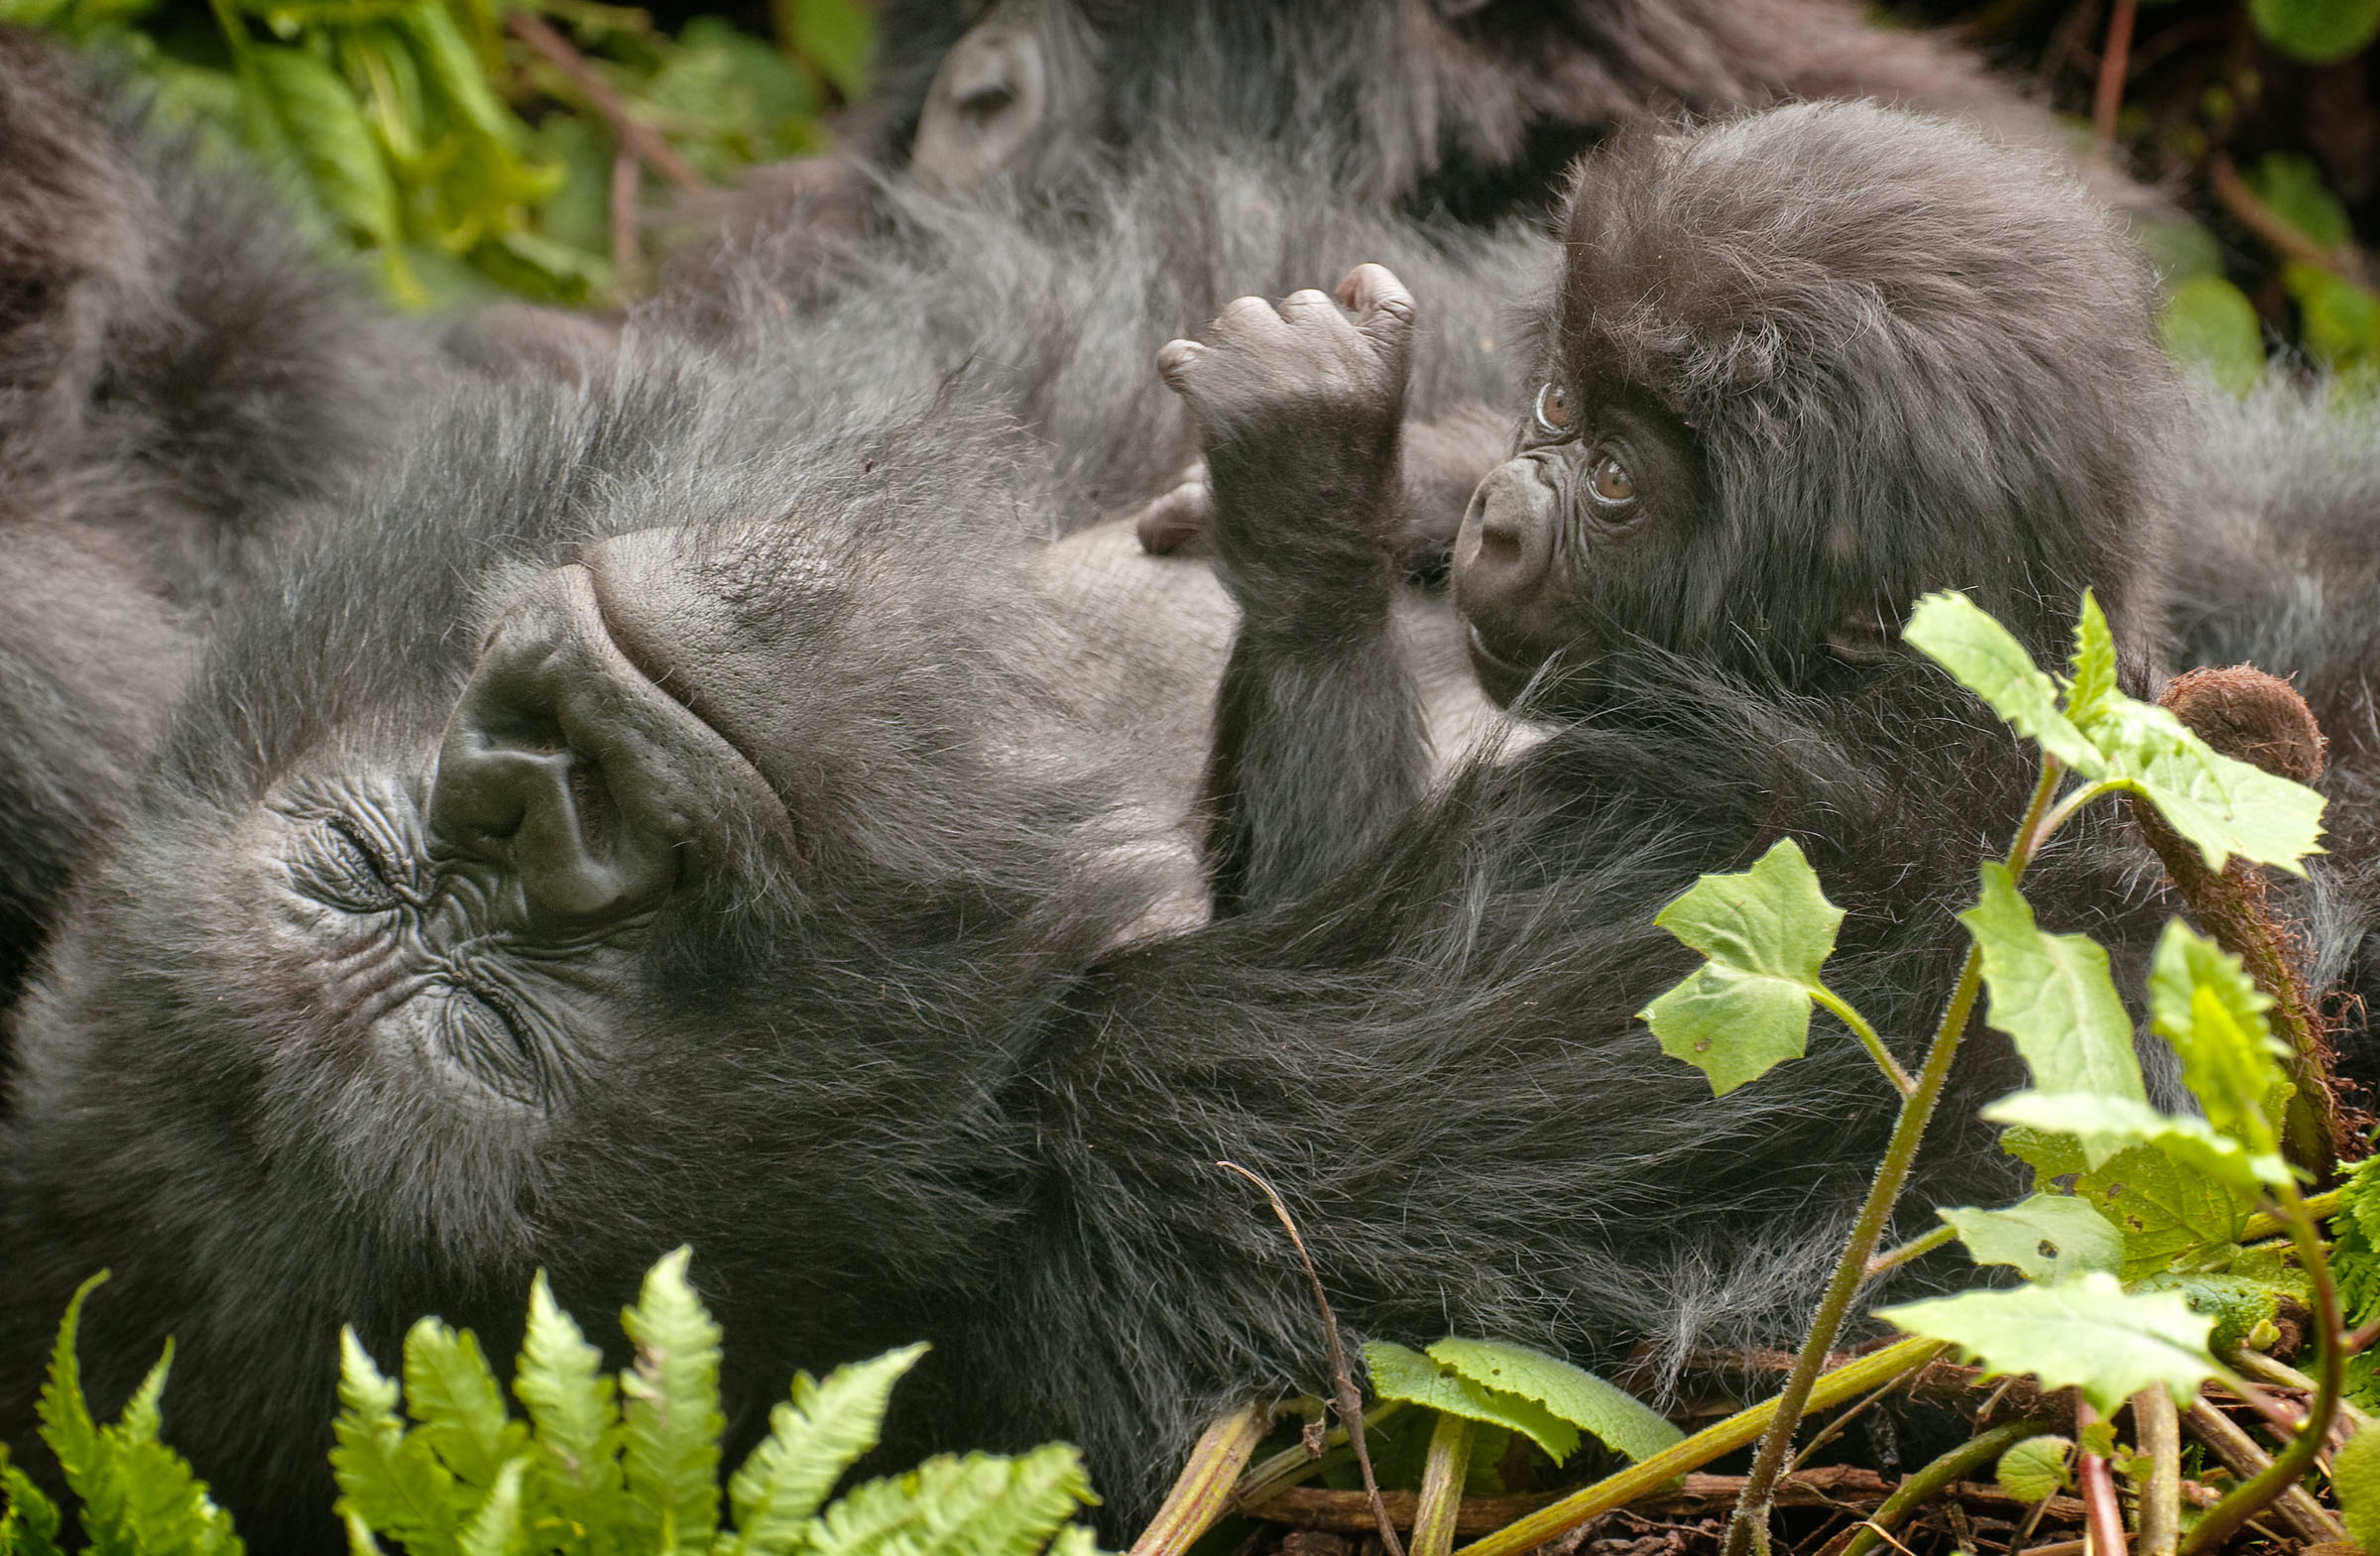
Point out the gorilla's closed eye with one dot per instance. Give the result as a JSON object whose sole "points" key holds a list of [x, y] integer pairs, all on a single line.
{"points": [[331, 867], [1556, 416]]}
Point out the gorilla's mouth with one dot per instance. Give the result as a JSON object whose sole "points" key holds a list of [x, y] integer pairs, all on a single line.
{"points": [[1502, 675]]}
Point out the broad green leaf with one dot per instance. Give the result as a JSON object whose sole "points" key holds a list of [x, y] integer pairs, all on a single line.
{"points": [[2166, 1212], [496, 1528], [2048, 1237], [2210, 324], [2337, 320], [570, 1404], [2222, 806], [2088, 1332], [2202, 1001], [2036, 1468], [839, 38], [1768, 932], [66, 1424], [1401, 1374], [2237, 1302], [2317, 32], [1610, 1415], [1986, 658], [2356, 1477], [2053, 996], [387, 1476], [2105, 1126], [2292, 185], [812, 1441], [672, 1419], [450, 1391], [326, 128]]}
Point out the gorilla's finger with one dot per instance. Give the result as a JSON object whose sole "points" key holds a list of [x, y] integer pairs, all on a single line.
{"points": [[1174, 358], [1307, 301], [1174, 520], [1250, 317], [1383, 309]]}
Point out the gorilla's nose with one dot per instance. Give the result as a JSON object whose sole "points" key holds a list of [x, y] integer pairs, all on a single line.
{"points": [[544, 773], [1507, 539]]}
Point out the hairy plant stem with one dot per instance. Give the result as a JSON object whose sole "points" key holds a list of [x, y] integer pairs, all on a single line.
{"points": [[2290, 1466], [1915, 1247], [1642, 1479], [1747, 1532], [1916, 1488], [1443, 1472]]}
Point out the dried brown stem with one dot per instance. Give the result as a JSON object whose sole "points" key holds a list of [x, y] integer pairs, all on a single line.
{"points": [[632, 133], [2285, 236], [2229, 1442], [2114, 60]]}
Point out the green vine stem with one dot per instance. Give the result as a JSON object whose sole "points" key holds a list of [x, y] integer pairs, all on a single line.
{"points": [[2157, 1432], [1846, 1383], [2290, 1466], [1201, 1492], [1915, 1247], [1442, 1475], [1295, 1466], [1747, 1532], [1920, 1485]]}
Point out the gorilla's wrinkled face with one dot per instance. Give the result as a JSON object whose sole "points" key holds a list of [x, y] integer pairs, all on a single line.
{"points": [[1582, 538]]}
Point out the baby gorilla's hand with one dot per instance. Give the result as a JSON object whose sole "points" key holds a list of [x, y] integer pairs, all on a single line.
{"points": [[1298, 410]]}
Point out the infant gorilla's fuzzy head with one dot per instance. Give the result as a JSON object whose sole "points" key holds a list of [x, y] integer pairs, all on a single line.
{"points": [[1802, 368]]}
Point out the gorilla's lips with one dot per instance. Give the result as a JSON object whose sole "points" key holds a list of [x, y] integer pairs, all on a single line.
{"points": [[1503, 675]]}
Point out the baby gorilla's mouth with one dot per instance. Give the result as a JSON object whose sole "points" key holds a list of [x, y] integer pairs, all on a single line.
{"points": [[1502, 672]]}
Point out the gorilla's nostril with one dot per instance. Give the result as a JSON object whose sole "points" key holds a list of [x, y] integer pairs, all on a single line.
{"points": [[983, 102]]}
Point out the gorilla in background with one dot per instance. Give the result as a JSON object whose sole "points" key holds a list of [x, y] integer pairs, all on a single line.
{"points": [[549, 929], [176, 373]]}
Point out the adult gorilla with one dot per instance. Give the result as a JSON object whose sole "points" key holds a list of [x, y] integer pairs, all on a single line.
{"points": [[694, 840]]}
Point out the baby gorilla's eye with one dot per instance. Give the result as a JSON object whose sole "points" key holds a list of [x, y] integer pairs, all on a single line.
{"points": [[1553, 413], [1609, 481], [333, 868]]}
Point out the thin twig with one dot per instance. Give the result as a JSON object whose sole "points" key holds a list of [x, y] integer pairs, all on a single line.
{"points": [[628, 181], [2225, 1439], [2102, 1518], [2286, 236], [1915, 1247], [1343, 1381], [1923, 1485], [632, 133], [2114, 60]]}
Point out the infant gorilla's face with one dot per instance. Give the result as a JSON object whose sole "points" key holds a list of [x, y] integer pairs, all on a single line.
{"points": [[1573, 543]]}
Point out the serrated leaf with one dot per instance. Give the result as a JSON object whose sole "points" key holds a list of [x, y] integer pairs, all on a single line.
{"points": [[2087, 1333], [2107, 1125], [2356, 1477], [2035, 1469], [2048, 1237], [977, 1506], [29, 1525], [672, 1419], [140, 1421], [1401, 1374], [2091, 671], [2209, 323], [387, 1476], [2238, 1303], [2204, 1004], [2317, 32], [2053, 996], [1610, 1415], [812, 1441], [1985, 656], [66, 1424], [570, 1405], [450, 1390], [1766, 931], [2164, 1211], [496, 1529], [2222, 806], [162, 1508]]}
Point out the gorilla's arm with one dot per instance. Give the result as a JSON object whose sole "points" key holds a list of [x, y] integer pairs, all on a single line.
{"points": [[1318, 730]]}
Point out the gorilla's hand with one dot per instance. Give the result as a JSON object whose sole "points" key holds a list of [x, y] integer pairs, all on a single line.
{"points": [[1299, 409]]}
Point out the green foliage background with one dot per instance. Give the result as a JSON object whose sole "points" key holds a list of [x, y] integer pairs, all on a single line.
{"points": [[430, 138]]}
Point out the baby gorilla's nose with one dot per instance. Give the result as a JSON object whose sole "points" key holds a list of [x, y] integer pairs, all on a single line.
{"points": [[1505, 542]]}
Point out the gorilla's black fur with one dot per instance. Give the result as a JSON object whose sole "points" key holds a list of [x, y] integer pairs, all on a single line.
{"points": [[175, 371], [694, 839]]}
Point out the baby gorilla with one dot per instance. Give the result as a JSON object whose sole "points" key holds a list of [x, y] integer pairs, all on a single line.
{"points": [[1796, 371]]}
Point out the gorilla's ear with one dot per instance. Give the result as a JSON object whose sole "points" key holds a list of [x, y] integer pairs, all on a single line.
{"points": [[1863, 635]]}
